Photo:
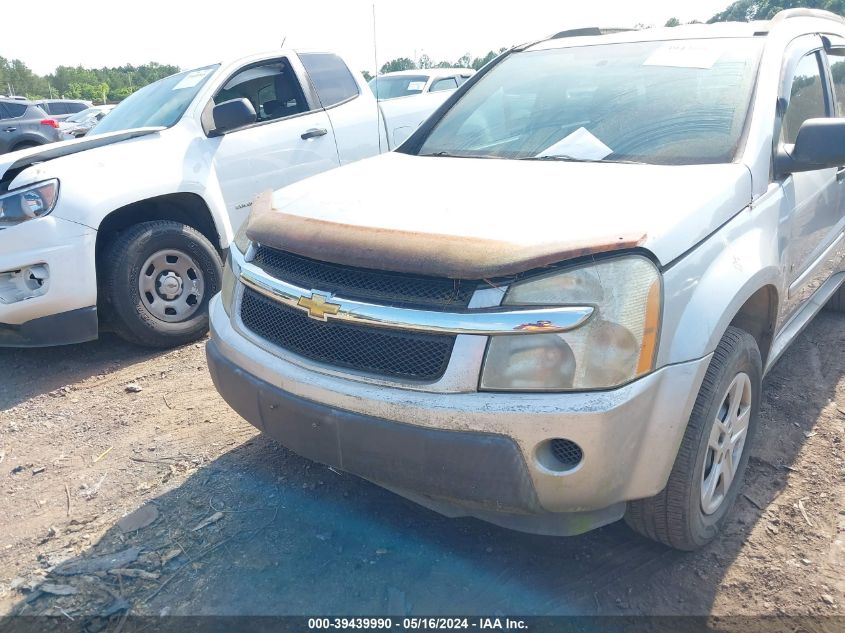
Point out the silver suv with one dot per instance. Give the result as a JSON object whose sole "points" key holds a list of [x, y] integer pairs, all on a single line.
{"points": [[23, 125], [569, 323]]}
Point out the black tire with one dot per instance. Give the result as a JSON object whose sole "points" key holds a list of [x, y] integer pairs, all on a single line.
{"points": [[837, 301], [128, 311], [25, 145], [675, 516]]}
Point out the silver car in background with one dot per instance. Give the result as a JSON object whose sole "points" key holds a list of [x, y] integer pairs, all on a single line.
{"points": [[23, 124], [79, 124]]}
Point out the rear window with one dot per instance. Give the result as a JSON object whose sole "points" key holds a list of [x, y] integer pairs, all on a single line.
{"points": [[330, 76], [450, 83], [13, 110]]}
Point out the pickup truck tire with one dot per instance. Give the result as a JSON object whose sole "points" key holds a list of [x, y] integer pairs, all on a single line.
{"points": [[159, 279], [687, 514]]}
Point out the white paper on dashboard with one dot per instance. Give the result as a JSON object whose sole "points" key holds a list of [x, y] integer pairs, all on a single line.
{"points": [[580, 144], [191, 79], [684, 55], [416, 85]]}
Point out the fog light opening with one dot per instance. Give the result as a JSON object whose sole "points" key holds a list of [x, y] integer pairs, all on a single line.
{"points": [[26, 283], [559, 455]]}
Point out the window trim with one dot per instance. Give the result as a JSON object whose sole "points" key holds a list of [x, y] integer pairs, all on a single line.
{"points": [[308, 95], [439, 79], [317, 94], [838, 46], [796, 50]]}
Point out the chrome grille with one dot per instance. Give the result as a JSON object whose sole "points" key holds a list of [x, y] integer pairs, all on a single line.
{"points": [[374, 350], [363, 284]]}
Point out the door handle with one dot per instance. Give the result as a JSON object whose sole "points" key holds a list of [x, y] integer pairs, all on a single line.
{"points": [[840, 174], [9, 129], [314, 132]]}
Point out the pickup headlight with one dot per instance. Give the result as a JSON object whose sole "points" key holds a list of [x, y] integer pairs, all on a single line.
{"points": [[617, 344], [28, 203]]}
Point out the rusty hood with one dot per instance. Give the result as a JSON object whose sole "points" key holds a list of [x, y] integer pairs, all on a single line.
{"points": [[483, 218]]}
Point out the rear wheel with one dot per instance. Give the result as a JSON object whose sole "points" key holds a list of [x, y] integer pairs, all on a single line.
{"points": [[159, 277], [26, 145], [713, 456]]}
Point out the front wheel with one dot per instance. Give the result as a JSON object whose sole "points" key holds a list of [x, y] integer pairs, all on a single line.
{"points": [[159, 277], [713, 456]]}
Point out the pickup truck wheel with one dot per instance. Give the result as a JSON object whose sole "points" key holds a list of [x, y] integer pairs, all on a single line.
{"points": [[159, 280], [711, 461]]}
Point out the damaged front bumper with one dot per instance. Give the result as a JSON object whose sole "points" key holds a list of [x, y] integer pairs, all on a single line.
{"points": [[468, 453], [48, 283]]}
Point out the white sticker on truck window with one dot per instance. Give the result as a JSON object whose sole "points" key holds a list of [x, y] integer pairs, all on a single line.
{"points": [[580, 144], [416, 85], [684, 55], [191, 79]]}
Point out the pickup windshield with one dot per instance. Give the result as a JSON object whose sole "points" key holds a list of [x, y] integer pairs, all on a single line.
{"points": [[160, 104], [394, 87], [675, 102]]}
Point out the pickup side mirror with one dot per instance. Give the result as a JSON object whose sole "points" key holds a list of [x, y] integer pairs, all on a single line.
{"points": [[820, 145], [231, 115]]}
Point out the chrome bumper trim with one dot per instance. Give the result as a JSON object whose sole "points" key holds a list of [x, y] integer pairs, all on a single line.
{"points": [[488, 322]]}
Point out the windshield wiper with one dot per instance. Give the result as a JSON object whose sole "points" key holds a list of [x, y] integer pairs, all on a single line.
{"points": [[448, 155], [572, 159]]}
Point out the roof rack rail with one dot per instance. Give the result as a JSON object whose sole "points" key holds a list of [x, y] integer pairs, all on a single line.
{"points": [[586, 32], [787, 14]]}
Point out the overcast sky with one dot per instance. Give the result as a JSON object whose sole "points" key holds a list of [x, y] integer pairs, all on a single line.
{"points": [[190, 33]]}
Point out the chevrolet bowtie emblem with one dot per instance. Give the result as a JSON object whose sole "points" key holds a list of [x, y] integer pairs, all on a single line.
{"points": [[318, 306]]}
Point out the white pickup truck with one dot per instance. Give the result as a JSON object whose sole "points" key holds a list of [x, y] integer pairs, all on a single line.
{"points": [[127, 227]]}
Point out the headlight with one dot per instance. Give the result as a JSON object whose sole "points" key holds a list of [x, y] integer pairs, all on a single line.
{"points": [[617, 344], [241, 240], [28, 203], [232, 271], [230, 282]]}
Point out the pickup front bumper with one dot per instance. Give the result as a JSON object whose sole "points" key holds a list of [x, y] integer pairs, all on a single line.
{"points": [[57, 305], [471, 453]]}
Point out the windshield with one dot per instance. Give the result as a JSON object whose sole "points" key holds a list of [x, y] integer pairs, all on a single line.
{"points": [[672, 103], [160, 104], [399, 86], [83, 115]]}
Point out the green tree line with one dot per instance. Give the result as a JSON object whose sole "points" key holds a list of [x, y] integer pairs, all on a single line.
{"points": [[425, 62], [76, 82], [115, 84], [747, 10]]}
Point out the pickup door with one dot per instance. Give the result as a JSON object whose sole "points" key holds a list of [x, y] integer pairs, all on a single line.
{"points": [[291, 139]]}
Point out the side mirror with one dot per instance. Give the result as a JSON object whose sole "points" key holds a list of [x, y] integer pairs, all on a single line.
{"points": [[820, 145], [231, 115]]}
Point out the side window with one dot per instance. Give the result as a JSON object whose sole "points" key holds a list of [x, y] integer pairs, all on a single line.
{"points": [[73, 108], [15, 110], [3, 113], [59, 108], [331, 78], [450, 83], [806, 99], [836, 59], [272, 88]]}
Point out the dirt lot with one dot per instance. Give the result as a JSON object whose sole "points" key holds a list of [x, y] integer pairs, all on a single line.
{"points": [[239, 525]]}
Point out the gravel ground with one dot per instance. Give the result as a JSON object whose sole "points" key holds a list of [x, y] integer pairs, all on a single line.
{"points": [[127, 483]]}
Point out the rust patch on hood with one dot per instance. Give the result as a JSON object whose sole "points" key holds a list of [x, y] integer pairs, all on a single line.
{"points": [[434, 254]]}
